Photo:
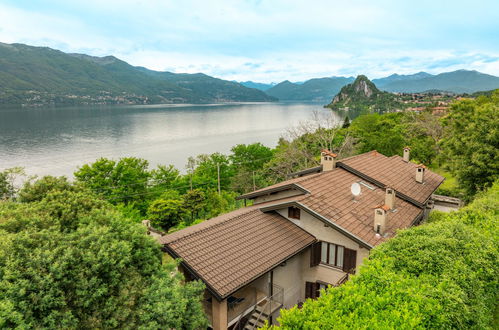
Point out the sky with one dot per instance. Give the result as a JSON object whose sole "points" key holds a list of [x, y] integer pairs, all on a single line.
{"points": [[267, 40]]}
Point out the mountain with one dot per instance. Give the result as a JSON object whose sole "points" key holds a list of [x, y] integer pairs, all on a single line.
{"points": [[260, 86], [460, 81], [322, 89], [37, 76], [363, 95], [394, 78], [319, 89]]}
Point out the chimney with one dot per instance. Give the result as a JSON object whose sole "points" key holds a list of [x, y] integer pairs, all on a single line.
{"points": [[407, 152], [146, 223], [328, 160], [380, 219], [390, 198], [420, 173]]}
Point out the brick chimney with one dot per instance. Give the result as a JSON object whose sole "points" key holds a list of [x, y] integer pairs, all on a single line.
{"points": [[407, 152], [390, 198], [380, 215], [420, 169], [328, 160]]}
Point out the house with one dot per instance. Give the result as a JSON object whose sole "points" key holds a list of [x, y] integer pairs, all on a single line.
{"points": [[300, 235]]}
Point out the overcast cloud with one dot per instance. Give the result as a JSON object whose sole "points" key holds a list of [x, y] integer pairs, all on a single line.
{"points": [[267, 41]]}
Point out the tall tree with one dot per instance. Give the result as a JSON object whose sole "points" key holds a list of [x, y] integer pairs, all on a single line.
{"points": [[248, 161], [123, 181], [471, 142]]}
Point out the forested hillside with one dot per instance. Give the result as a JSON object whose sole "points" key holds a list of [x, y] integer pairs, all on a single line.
{"points": [[39, 76], [316, 90]]}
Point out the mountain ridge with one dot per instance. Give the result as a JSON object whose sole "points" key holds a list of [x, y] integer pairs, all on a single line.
{"points": [[458, 82], [40, 76]]}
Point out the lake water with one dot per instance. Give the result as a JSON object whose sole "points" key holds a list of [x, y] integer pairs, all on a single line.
{"points": [[57, 141]]}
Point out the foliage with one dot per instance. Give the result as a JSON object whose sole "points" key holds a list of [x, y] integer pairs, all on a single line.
{"points": [[193, 202], [471, 142], [383, 133], [7, 182], [36, 190], [440, 275], [123, 181], [248, 161], [166, 213], [71, 261]]}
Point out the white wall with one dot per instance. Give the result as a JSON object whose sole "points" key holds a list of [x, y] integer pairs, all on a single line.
{"points": [[323, 273], [290, 278]]}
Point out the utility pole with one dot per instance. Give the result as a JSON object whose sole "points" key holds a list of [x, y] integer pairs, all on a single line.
{"points": [[218, 177], [254, 184]]}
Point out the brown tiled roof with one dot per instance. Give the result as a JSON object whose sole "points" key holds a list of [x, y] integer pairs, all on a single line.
{"points": [[229, 251], [233, 249], [394, 172], [330, 197], [291, 182]]}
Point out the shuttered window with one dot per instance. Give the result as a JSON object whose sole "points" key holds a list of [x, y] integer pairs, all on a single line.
{"points": [[315, 254], [293, 212], [350, 261], [338, 256]]}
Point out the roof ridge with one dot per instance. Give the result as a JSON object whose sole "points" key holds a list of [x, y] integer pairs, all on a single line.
{"points": [[244, 211]]}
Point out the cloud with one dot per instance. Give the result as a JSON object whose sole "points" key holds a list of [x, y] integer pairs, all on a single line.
{"points": [[265, 40]]}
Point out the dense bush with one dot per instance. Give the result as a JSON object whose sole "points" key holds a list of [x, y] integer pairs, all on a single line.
{"points": [[71, 261], [440, 275]]}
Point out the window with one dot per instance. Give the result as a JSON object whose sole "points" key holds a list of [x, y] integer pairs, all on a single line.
{"points": [[293, 212], [332, 254]]}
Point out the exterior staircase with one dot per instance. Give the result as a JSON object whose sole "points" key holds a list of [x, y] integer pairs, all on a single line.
{"points": [[258, 317]]}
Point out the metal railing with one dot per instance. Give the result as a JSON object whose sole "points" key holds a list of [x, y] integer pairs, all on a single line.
{"points": [[274, 302]]}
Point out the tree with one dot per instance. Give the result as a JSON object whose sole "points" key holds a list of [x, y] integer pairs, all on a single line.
{"points": [[166, 213], [193, 202], [123, 181], [71, 261], [7, 182], [36, 190], [384, 133], [248, 162], [302, 146], [471, 142], [346, 123]]}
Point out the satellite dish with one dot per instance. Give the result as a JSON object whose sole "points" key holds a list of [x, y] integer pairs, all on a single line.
{"points": [[355, 189]]}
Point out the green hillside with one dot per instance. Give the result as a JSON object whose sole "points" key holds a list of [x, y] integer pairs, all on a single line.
{"points": [[363, 95], [319, 89], [37, 76]]}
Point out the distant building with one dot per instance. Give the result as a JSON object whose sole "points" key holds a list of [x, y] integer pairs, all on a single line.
{"points": [[300, 235]]}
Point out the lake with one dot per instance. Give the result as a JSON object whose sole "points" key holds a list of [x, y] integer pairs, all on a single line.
{"points": [[56, 141]]}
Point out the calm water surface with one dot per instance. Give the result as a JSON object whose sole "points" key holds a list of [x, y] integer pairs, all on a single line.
{"points": [[57, 141]]}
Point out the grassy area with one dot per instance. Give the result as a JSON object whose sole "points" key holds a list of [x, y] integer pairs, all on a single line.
{"points": [[450, 186]]}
